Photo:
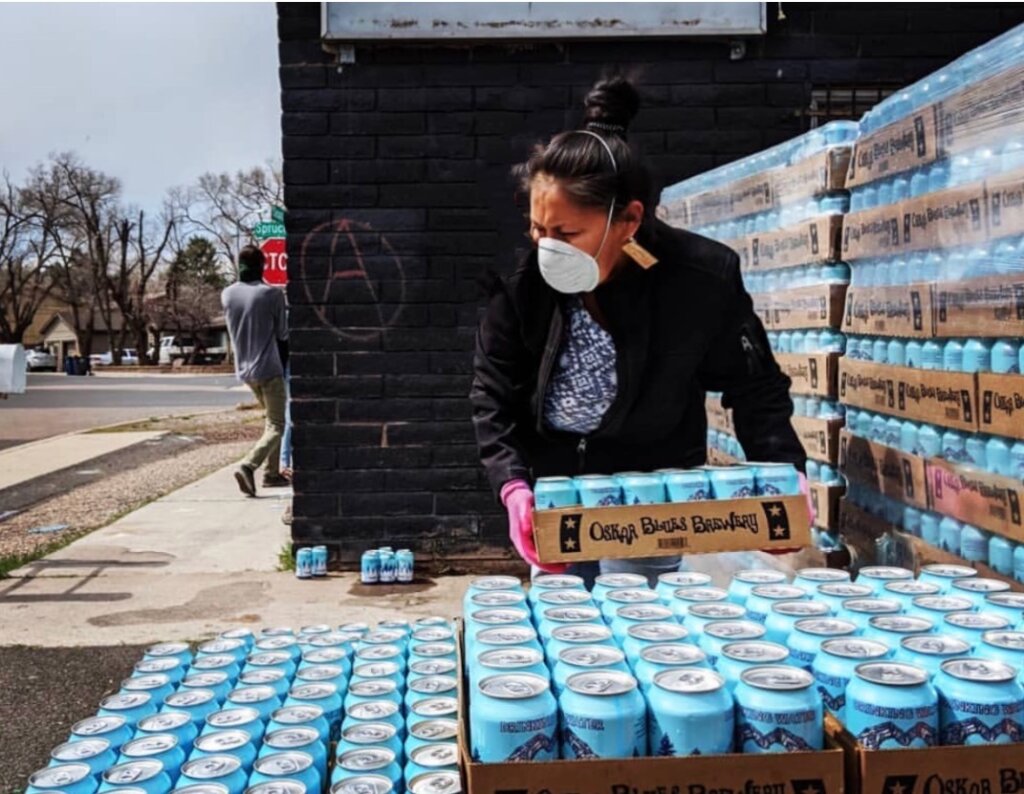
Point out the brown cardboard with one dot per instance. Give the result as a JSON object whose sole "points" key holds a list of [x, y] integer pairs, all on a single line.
{"points": [[717, 457], [744, 197], [901, 146], [1001, 398], [825, 499], [1005, 204], [890, 471], [821, 172], [992, 306], [818, 772], [810, 242], [942, 398], [983, 112], [860, 529], [719, 418], [820, 306], [820, 437], [890, 311], [811, 373], [575, 534], [976, 497]]}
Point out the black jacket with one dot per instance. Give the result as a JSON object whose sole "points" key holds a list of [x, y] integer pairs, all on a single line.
{"points": [[681, 328]]}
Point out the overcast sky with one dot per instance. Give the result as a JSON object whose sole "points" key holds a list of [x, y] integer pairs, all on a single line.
{"points": [[154, 94]]}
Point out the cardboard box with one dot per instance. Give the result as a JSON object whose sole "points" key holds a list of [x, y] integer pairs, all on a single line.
{"points": [[983, 112], [820, 437], [826, 499], [719, 418], [949, 399], [575, 534], [811, 373], [901, 146], [1002, 404], [896, 474], [810, 242], [976, 497], [821, 172], [890, 311], [992, 306], [1005, 204], [776, 773], [744, 197], [820, 306], [980, 769]]}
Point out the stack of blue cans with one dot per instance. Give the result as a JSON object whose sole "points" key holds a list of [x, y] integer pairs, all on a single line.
{"points": [[353, 708]]}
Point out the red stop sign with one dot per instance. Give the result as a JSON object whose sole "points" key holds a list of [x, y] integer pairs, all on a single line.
{"points": [[275, 268]]}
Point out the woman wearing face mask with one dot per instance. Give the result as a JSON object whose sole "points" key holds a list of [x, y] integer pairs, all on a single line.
{"points": [[594, 356]]}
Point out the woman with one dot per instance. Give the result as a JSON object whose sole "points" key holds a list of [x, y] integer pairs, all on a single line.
{"points": [[594, 356]]}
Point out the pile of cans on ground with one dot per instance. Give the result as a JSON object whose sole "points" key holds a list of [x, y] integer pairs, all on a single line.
{"points": [[671, 485], [387, 566], [687, 668], [356, 709]]}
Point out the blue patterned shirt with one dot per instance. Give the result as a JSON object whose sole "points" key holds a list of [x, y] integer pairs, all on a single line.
{"points": [[583, 382]]}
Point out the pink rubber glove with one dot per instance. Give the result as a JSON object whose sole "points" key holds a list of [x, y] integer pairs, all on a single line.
{"points": [[518, 500], [805, 489]]}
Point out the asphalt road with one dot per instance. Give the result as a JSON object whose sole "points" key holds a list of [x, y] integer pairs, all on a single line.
{"points": [[55, 404]]}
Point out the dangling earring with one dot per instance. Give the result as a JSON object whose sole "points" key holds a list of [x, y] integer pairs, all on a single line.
{"points": [[639, 254]]}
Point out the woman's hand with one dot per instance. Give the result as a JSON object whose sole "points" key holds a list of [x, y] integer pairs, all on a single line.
{"points": [[805, 489], [518, 500]]}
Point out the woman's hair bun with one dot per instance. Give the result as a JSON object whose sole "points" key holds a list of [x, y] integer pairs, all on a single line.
{"points": [[611, 104]]}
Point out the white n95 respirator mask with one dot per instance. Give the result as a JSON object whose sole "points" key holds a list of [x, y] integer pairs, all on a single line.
{"points": [[568, 269]]}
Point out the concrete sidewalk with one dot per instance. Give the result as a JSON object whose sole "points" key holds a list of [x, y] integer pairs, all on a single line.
{"points": [[189, 565]]}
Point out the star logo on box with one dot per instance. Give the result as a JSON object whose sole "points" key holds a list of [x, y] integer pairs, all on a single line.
{"points": [[569, 533], [899, 784], [808, 786], [778, 520]]}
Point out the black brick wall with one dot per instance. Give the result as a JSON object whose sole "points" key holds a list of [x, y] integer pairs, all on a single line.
{"points": [[398, 199]]}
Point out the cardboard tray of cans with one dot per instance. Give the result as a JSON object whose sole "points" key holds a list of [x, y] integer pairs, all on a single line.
{"points": [[811, 242], [826, 500], [897, 474], [779, 773], [820, 306], [976, 497], [815, 374], [820, 437]]}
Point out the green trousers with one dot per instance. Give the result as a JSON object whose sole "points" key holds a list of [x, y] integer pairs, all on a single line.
{"points": [[271, 397]]}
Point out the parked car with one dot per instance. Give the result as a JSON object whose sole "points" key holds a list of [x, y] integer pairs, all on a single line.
{"points": [[40, 359], [129, 357], [174, 348]]}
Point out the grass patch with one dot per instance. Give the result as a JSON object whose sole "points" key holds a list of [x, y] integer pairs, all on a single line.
{"points": [[130, 427], [285, 558]]}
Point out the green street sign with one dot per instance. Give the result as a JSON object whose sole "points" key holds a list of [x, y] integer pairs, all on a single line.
{"points": [[264, 230], [277, 214]]}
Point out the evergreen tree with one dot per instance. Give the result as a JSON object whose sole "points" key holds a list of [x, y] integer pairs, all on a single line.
{"points": [[665, 747]]}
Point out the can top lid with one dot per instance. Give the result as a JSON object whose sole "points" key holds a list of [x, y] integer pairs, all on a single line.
{"points": [[661, 631], [378, 652], [513, 686], [435, 730], [296, 715], [803, 608], [242, 715], [276, 631], [734, 629], [689, 681], [554, 581], [366, 758], [287, 738], [54, 777], [987, 671], [1010, 600], [376, 669], [372, 709], [123, 701], [777, 677], [160, 664], [582, 632], [632, 595], [236, 634], [876, 606], [79, 749], [432, 620], [212, 661], [253, 694], [978, 621], [435, 633], [617, 581], [565, 597], [596, 478], [189, 697], [383, 636], [443, 781], [901, 624], [499, 616], [676, 654], [268, 658], [133, 772], [509, 635], [825, 627], [497, 598], [223, 741], [266, 676], [684, 579], [717, 611], [760, 576], [371, 687], [369, 732], [277, 787], [507, 658], [97, 726], [553, 480], [150, 744], [822, 575], [283, 764], [978, 584], [220, 646], [591, 656], [574, 614], [845, 589], [211, 678], [167, 649], [699, 594], [435, 754], [1010, 640], [434, 684], [889, 572], [892, 673], [361, 628], [644, 612], [855, 648], [601, 683], [759, 651], [363, 784], [911, 587], [940, 603], [195, 788], [949, 571], [420, 666], [779, 592], [936, 644], [436, 707]]}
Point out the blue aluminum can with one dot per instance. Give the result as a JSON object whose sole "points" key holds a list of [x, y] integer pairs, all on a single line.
{"points": [[429, 758], [243, 634], [506, 636], [775, 479], [239, 718], [148, 776], [835, 595], [929, 651], [420, 668], [671, 581], [763, 597], [441, 633], [431, 731], [558, 598], [162, 747], [971, 626], [433, 686], [550, 493], [304, 563], [360, 735], [488, 584], [217, 663], [643, 635], [861, 610], [906, 592], [369, 567], [169, 666], [778, 711], [737, 657], [97, 754], [719, 633], [406, 561], [937, 607], [784, 615], [607, 582], [372, 711], [167, 650], [513, 718], [431, 709], [603, 715], [390, 671], [218, 683], [743, 582], [219, 647], [379, 637], [380, 653], [804, 642], [627, 597], [582, 659], [319, 561], [307, 714], [1005, 646], [553, 617], [834, 665], [810, 578], [368, 761], [225, 770], [71, 778], [690, 712], [197, 703], [980, 702], [655, 659], [361, 784], [687, 485], [235, 742], [286, 786], [275, 679], [262, 698], [276, 631], [698, 614], [642, 489], [371, 689], [388, 566], [483, 619], [133, 706], [877, 576], [944, 575], [731, 482], [638, 614], [892, 706], [113, 729], [271, 660], [322, 674], [572, 636], [506, 660], [598, 490], [977, 589], [282, 643], [302, 739], [289, 765]]}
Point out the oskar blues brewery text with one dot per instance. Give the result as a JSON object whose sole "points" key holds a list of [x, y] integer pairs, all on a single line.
{"points": [[894, 713], [779, 718], [519, 727], [985, 709], [627, 534], [746, 787]]}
